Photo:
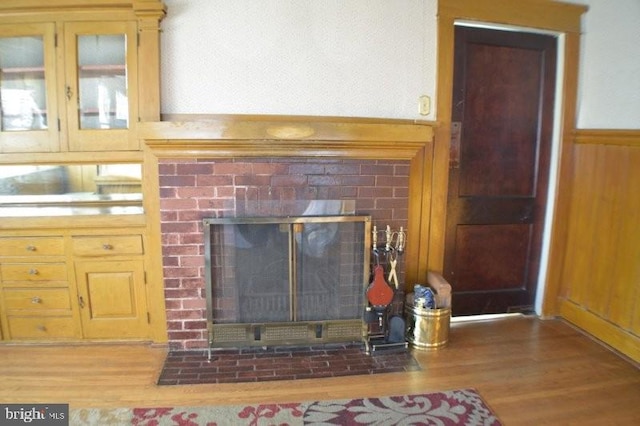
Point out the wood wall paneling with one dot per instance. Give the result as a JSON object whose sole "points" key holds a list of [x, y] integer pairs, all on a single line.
{"points": [[600, 285]]}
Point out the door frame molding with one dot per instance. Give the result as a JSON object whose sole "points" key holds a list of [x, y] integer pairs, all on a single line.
{"points": [[561, 18]]}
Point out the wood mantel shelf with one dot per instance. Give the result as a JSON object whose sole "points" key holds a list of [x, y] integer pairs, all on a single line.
{"points": [[286, 136]]}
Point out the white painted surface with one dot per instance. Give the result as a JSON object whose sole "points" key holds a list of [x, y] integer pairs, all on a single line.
{"points": [[609, 79], [366, 58], [302, 57]]}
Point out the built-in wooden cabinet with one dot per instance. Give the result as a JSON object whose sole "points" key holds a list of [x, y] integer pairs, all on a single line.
{"points": [[69, 74], [110, 276], [37, 296], [66, 285], [76, 79]]}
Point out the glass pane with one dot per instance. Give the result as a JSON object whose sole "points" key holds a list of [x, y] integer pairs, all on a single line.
{"points": [[330, 271], [263, 278], [102, 75], [53, 189], [251, 266], [22, 84]]}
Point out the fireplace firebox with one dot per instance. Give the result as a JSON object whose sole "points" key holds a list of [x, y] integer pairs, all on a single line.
{"points": [[286, 280]]}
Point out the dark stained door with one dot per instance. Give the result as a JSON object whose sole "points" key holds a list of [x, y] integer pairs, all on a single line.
{"points": [[498, 174]]}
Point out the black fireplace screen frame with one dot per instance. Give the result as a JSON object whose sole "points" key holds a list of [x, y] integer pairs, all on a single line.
{"points": [[258, 296]]}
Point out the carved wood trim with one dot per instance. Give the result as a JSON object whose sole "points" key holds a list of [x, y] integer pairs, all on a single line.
{"points": [[269, 137], [69, 10], [620, 137]]}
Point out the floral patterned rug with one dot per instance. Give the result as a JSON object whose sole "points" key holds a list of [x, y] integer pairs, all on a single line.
{"points": [[457, 407]]}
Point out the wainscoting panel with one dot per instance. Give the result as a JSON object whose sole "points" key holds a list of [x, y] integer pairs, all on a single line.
{"points": [[601, 276]]}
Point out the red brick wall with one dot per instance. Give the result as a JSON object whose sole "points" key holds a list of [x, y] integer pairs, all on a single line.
{"points": [[191, 190]]}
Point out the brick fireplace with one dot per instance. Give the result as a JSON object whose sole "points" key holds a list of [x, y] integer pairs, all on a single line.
{"points": [[191, 190], [229, 167]]}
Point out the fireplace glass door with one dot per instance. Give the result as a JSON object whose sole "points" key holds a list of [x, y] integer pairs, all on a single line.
{"points": [[286, 280]]}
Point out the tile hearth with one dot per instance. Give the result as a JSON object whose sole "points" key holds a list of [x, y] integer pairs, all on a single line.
{"points": [[280, 363]]}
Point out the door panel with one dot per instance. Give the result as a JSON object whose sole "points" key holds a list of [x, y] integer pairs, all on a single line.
{"points": [[112, 299], [478, 270], [101, 70], [498, 175], [28, 111], [497, 113]]}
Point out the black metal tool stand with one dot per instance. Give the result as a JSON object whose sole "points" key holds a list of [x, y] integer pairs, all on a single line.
{"points": [[386, 327], [386, 324]]}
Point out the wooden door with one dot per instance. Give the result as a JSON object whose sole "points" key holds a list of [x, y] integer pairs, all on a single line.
{"points": [[502, 120], [112, 299]]}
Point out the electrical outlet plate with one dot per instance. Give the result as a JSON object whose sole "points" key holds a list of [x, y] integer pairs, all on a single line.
{"points": [[424, 105]]}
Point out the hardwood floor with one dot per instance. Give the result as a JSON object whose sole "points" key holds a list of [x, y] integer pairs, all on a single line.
{"points": [[531, 372]]}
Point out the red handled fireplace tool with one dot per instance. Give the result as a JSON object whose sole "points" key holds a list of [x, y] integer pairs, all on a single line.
{"points": [[380, 295]]}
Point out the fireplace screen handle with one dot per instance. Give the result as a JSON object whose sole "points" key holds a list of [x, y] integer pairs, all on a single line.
{"points": [[296, 228]]}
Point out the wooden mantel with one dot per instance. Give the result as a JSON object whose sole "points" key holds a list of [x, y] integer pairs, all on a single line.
{"points": [[233, 136], [278, 136]]}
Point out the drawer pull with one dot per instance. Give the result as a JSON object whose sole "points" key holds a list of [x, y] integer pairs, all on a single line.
{"points": [[107, 246], [36, 300], [33, 271], [31, 248], [41, 327]]}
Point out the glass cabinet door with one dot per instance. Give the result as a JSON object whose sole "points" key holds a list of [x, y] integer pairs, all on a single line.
{"points": [[27, 89], [101, 86], [102, 82]]}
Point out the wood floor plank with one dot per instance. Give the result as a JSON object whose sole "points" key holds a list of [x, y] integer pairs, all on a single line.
{"points": [[529, 371]]}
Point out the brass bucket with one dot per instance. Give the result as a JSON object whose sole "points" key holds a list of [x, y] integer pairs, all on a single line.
{"points": [[427, 329]]}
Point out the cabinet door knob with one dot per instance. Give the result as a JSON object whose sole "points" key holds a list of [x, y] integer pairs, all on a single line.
{"points": [[31, 248], [69, 93], [33, 271], [81, 302], [107, 246], [36, 300], [41, 327]]}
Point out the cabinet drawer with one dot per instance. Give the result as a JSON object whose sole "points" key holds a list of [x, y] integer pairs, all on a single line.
{"points": [[32, 246], [41, 327], [107, 245], [34, 271], [37, 299]]}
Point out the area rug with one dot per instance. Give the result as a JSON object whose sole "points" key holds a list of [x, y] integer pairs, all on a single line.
{"points": [[457, 407]]}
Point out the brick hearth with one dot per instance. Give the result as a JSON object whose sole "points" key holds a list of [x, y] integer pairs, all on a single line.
{"points": [[279, 363]]}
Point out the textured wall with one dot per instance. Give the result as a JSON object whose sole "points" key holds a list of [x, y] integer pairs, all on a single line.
{"points": [[369, 58], [610, 65]]}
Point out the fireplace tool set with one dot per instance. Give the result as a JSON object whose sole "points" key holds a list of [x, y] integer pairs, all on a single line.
{"points": [[387, 328]]}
